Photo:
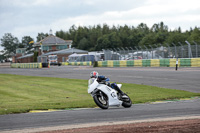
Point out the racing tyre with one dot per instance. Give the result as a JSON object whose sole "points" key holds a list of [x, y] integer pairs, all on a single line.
{"points": [[127, 103], [101, 100]]}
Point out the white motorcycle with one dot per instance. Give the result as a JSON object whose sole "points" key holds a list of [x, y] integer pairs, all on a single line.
{"points": [[105, 96]]}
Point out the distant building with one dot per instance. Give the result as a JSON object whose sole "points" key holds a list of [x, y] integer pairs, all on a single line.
{"points": [[19, 52], [28, 58], [62, 54], [51, 45]]}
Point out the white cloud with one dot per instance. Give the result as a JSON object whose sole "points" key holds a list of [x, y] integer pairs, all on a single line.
{"points": [[31, 30], [173, 5], [150, 13], [173, 13]]}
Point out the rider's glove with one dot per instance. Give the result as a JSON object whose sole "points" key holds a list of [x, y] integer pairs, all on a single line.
{"points": [[108, 83]]}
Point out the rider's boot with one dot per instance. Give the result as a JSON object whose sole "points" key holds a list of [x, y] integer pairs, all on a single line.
{"points": [[123, 96]]}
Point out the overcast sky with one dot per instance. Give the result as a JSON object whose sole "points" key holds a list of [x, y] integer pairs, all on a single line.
{"points": [[30, 17]]}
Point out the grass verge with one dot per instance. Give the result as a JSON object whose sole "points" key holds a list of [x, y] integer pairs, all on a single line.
{"points": [[19, 94]]}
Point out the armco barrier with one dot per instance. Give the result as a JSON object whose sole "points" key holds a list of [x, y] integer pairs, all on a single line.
{"points": [[188, 62], [26, 65]]}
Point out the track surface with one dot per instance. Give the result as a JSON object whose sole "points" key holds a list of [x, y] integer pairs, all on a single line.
{"points": [[183, 79], [95, 115]]}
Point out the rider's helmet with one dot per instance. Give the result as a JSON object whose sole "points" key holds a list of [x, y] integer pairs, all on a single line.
{"points": [[94, 74]]}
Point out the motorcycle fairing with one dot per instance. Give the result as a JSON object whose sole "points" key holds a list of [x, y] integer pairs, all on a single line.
{"points": [[111, 93]]}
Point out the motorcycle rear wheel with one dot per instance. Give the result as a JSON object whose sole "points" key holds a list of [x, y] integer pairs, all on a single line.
{"points": [[101, 102]]}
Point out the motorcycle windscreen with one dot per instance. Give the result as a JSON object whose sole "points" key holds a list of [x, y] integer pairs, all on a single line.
{"points": [[92, 86], [119, 85]]}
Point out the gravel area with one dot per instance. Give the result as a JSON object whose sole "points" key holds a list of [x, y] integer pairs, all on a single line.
{"points": [[179, 126]]}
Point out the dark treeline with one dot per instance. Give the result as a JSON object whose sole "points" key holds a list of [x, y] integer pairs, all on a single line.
{"points": [[98, 37]]}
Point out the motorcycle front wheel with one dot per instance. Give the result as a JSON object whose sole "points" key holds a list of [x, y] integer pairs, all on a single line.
{"points": [[127, 103], [101, 99]]}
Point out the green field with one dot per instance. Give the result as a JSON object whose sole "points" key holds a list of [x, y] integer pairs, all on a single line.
{"points": [[20, 94]]}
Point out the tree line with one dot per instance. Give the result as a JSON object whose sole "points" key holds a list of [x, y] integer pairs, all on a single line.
{"points": [[10, 43], [98, 37]]}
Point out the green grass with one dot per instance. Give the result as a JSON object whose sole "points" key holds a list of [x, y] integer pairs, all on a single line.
{"points": [[20, 94]]}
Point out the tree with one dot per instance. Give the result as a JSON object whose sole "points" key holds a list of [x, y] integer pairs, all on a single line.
{"points": [[105, 29], [101, 36], [26, 43], [143, 28], [82, 32], [83, 44], [62, 34], [195, 35], [124, 33], [159, 32], [108, 41], [148, 39], [41, 36], [10, 44], [175, 37], [2, 56]]}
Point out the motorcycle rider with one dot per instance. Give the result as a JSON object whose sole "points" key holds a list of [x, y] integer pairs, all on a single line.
{"points": [[103, 79]]}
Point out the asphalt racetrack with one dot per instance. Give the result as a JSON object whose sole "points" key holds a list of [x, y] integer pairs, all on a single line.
{"points": [[184, 79], [57, 120]]}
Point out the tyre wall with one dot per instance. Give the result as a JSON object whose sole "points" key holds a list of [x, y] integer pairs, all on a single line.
{"points": [[26, 65], [188, 62], [65, 63], [88, 63]]}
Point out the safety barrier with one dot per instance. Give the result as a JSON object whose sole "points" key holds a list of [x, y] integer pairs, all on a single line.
{"points": [[188, 62], [5, 64], [64, 63], [26, 65], [87, 63], [195, 62]]}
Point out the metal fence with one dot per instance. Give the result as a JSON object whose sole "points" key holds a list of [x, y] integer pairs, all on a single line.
{"points": [[155, 51]]}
